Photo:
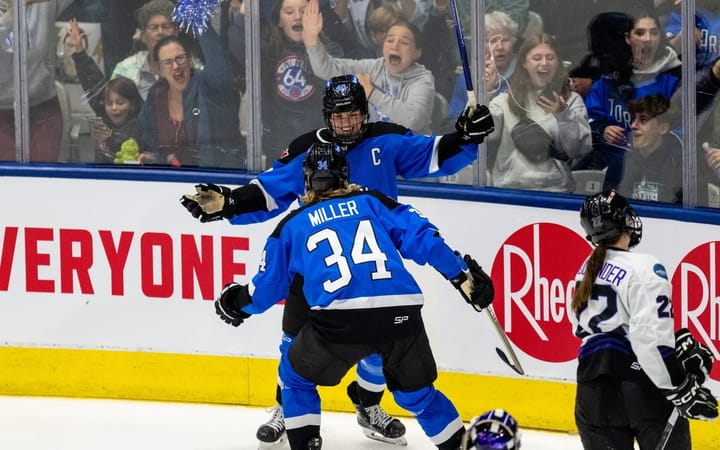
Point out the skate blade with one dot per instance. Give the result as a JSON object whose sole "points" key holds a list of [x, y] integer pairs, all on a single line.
{"points": [[277, 444], [401, 441]]}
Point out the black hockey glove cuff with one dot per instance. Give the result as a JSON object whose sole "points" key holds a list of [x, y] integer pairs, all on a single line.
{"points": [[692, 400], [230, 303], [694, 357], [474, 124], [474, 285], [210, 202]]}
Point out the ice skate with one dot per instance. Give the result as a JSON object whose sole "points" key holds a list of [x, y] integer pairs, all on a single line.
{"points": [[379, 425], [272, 434], [375, 422]]}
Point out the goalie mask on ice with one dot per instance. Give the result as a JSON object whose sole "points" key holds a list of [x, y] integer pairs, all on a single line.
{"points": [[492, 430], [325, 168]]}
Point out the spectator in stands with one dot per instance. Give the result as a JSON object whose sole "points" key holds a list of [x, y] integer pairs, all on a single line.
{"points": [[609, 55], [442, 57], [539, 123], [289, 87], [378, 24], [655, 70], [708, 137], [116, 25], [652, 169], [46, 122], [707, 32], [355, 14], [117, 102], [568, 21], [154, 22], [398, 88], [190, 116], [501, 35], [518, 10]]}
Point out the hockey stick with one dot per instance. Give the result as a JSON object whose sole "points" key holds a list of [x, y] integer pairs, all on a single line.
{"points": [[463, 54], [667, 431], [515, 363]]}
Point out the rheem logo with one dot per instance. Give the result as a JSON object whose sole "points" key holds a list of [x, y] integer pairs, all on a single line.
{"points": [[534, 276], [696, 296]]}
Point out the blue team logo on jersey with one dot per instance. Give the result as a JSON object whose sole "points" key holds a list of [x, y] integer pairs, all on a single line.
{"points": [[293, 79], [660, 271]]}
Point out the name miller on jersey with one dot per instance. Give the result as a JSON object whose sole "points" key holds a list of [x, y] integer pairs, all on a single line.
{"points": [[330, 212]]}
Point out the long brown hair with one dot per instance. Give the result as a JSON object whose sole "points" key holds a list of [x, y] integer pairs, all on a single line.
{"points": [[592, 268], [519, 83]]}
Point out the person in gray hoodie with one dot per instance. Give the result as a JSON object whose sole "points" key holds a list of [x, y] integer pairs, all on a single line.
{"points": [[398, 89], [46, 123]]}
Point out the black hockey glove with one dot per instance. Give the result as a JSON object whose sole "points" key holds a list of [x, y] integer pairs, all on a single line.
{"points": [[474, 124], [474, 285], [232, 298], [695, 357], [693, 400], [210, 202]]}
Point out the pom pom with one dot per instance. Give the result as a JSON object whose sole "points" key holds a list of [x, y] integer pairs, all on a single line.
{"points": [[192, 15]]}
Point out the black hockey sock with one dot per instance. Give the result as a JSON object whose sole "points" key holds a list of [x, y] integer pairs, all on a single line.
{"points": [[278, 394], [297, 437], [360, 396], [455, 441]]}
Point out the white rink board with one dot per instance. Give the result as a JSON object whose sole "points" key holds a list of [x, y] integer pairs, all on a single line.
{"points": [[151, 217]]}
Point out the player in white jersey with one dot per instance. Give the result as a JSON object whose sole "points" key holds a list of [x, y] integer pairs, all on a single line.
{"points": [[630, 375]]}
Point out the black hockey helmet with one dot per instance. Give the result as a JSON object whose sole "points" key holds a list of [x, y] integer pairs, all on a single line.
{"points": [[325, 167], [607, 215], [344, 93], [492, 430]]}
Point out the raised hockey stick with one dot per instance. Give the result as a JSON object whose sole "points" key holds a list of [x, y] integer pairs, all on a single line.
{"points": [[667, 431], [463, 54], [513, 361]]}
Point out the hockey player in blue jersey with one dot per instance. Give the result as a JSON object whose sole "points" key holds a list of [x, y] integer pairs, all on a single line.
{"points": [[346, 247], [378, 152]]}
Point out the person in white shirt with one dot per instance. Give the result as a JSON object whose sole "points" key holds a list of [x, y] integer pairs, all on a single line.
{"points": [[154, 22]]}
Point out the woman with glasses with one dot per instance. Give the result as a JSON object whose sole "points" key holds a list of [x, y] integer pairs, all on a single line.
{"points": [[154, 22], [190, 116]]}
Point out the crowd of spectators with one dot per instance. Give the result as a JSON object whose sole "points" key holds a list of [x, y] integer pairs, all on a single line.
{"points": [[595, 84]]}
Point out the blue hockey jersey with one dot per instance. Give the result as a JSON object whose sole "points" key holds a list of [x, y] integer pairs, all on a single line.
{"points": [[349, 252], [386, 152], [608, 105]]}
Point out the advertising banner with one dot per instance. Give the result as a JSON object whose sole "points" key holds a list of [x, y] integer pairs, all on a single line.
{"points": [[106, 264]]}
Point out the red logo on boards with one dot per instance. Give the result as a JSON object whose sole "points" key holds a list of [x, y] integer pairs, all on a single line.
{"points": [[696, 296], [534, 277]]}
